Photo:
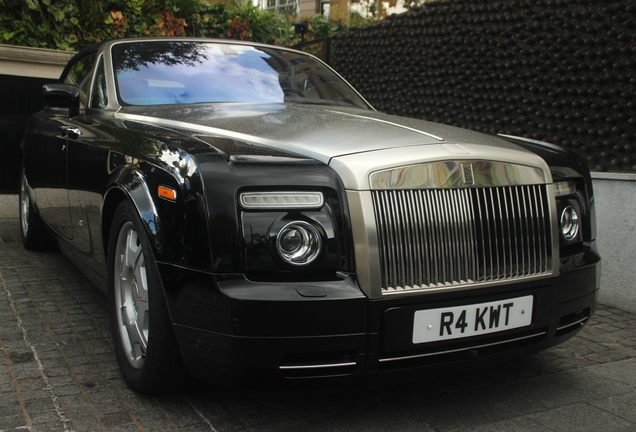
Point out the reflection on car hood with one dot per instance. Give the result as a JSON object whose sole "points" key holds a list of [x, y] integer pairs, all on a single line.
{"points": [[316, 131]]}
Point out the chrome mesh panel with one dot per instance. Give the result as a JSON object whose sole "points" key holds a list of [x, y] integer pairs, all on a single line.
{"points": [[452, 237]]}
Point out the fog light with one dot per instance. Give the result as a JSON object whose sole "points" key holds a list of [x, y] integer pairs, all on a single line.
{"points": [[298, 243], [569, 223]]}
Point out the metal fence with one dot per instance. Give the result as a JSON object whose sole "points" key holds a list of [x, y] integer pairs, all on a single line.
{"points": [[320, 48]]}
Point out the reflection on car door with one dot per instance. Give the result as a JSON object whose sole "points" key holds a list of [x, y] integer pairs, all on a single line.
{"points": [[87, 163], [87, 177], [56, 132], [48, 172]]}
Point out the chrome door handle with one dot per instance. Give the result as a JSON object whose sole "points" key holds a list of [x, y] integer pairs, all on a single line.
{"points": [[70, 131]]}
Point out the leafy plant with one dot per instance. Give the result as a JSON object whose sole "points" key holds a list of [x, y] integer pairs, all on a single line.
{"points": [[211, 20], [263, 25], [183, 8], [169, 25], [118, 22], [73, 24]]}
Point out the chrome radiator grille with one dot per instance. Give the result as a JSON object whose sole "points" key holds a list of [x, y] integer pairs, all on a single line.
{"points": [[452, 237]]}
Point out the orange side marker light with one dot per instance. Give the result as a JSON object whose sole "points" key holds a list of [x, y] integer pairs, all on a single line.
{"points": [[167, 193]]}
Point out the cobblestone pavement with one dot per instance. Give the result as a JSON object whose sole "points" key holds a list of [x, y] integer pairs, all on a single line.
{"points": [[58, 372]]}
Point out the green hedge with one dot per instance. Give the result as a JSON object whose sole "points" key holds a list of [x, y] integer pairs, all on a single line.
{"points": [[74, 24]]}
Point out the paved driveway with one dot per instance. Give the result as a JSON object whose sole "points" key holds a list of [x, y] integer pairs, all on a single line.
{"points": [[58, 372]]}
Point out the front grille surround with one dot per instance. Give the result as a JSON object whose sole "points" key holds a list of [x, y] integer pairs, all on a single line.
{"points": [[433, 239]]}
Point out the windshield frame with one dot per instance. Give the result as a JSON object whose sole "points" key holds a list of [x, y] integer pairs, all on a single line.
{"points": [[345, 94]]}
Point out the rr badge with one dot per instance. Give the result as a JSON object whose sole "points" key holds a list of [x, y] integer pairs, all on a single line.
{"points": [[467, 174]]}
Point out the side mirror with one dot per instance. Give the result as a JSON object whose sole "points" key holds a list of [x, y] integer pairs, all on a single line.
{"points": [[62, 96]]}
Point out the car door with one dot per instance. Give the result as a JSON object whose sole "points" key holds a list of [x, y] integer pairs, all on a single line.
{"points": [[48, 157], [86, 163]]}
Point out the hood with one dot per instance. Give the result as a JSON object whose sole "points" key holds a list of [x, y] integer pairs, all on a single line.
{"points": [[315, 131]]}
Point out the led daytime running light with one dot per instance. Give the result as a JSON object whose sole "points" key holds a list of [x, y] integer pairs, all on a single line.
{"points": [[281, 200]]}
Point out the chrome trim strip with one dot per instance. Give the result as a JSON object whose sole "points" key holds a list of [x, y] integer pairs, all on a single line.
{"points": [[533, 141], [391, 359], [389, 123], [582, 320], [355, 170], [449, 174], [552, 209], [365, 243], [317, 366], [463, 286]]}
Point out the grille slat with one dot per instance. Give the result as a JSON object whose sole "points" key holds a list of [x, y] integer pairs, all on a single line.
{"points": [[452, 237], [544, 246]]}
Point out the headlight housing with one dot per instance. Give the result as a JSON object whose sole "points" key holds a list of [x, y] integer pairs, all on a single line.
{"points": [[569, 222], [291, 235], [569, 211], [298, 243]]}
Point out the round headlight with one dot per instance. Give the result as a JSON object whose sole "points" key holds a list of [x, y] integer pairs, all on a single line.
{"points": [[569, 223], [298, 243]]}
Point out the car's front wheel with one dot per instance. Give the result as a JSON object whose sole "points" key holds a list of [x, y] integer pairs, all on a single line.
{"points": [[33, 232], [145, 344]]}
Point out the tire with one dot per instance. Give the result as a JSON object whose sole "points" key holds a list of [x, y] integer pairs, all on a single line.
{"points": [[34, 234], [145, 344]]}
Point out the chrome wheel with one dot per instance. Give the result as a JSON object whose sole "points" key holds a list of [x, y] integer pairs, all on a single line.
{"points": [[145, 344], [25, 204], [131, 295], [32, 229]]}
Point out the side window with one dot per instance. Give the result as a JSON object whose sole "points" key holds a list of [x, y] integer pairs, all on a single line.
{"points": [[80, 74], [99, 96]]}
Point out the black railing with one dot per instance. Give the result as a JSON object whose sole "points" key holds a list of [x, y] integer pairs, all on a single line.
{"points": [[320, 48]]}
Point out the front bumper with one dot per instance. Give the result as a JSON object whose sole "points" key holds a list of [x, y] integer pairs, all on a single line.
{"points": [[255, 335]]}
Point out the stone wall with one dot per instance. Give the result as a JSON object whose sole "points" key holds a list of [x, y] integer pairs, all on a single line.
{"points": [[32, 62], [615, 196], [561, 71]]}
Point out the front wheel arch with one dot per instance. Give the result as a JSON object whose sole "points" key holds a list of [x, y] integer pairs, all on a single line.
{"points": [[112, 200], [131, 185], [155, 366]]}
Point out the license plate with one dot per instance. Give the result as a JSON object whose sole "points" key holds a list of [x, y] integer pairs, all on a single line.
{"points": [[432, 325]]}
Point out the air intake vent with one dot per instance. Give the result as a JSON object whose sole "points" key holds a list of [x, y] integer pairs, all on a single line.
{"points": [[452, 237]]}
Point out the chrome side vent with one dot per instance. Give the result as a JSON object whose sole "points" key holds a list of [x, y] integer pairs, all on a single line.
{"points": [[436, 238]]}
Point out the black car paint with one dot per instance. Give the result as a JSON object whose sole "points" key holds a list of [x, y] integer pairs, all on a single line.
{"points": [[206, 284], [225, 310]]}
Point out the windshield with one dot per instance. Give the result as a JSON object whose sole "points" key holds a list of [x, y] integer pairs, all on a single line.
{"points": [[172, 72]]}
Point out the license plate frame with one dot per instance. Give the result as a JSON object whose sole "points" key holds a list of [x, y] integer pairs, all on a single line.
{"points": [[455, 322]]}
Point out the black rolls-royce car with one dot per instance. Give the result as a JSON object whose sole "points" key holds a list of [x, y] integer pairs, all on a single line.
{"points": [[256, 223]]}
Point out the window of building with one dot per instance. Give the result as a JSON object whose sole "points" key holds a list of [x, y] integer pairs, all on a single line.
{"points": [[325, 6], [285, 7]]}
